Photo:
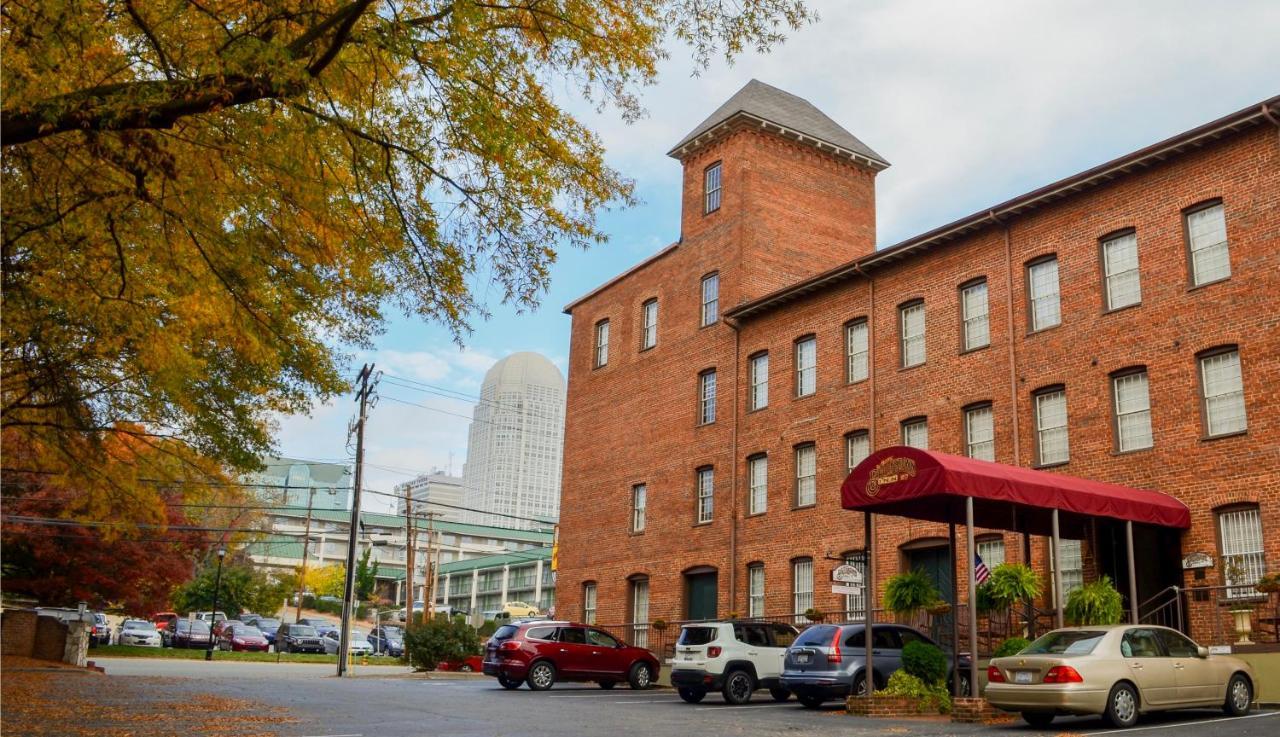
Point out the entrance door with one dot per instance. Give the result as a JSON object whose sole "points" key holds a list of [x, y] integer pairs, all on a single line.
{"points": [[1157, 560], [935, 562], [702, 595]]}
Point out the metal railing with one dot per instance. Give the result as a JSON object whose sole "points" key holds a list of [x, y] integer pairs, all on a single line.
{"points": [[1209, 613]]}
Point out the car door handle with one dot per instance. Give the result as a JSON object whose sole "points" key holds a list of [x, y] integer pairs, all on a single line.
{"points": [[1137, 665], [1179, 666], [876, 652], [563, 650], [752, 652]]}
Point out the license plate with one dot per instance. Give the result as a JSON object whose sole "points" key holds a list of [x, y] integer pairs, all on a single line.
{"points": [[802, 658], [1022, 676]]}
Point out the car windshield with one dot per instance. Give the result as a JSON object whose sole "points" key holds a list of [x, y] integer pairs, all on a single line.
{"points": [[819, 634], [392, 632], [269, 624], [197, 626], [246, 631], [302, 630], [696, 635], [137, 624], [505, 632], [1065, 642]]}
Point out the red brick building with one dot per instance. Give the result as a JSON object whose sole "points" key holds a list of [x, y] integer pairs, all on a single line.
{"points": [[1122, 325]]}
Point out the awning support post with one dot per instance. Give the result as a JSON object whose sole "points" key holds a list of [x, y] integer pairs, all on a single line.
{"points": [[1030, 607], [955, 611], [868, 605], [973, 601], [1133, 578], [1057, 573]]}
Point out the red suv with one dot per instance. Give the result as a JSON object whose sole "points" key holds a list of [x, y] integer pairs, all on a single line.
{"points": [[542, 653]]}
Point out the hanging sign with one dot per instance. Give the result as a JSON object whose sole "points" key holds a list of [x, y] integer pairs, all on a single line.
{"points": [[846, 590], [847, 574]]}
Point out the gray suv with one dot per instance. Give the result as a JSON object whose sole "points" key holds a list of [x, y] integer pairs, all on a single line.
{"points": [[828, 661]]}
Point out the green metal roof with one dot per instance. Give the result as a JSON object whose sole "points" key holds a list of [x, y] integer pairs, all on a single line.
{"points": [[529, 557], [377, 519]]}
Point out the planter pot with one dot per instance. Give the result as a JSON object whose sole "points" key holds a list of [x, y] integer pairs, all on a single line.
{"points": [[1244, 625]]}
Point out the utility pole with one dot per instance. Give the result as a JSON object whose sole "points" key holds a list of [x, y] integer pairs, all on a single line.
{"points": [[429, 603], [367, 398], [306, 538], [410, 545]]}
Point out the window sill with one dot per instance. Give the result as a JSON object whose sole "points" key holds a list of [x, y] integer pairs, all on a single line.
{"points": [[1194, 287], [711, 324], [798, 397], [967, 351], [1133, 451], [1045, 329], [798, 507], [757, 409], [646, 349], [1250, 600], [1055, 464], [705, 424], [1114, 310], [1223, 436], [636, 533], [912, 366], [855, 382], [702, 524], [601, 366], [750, 515]]}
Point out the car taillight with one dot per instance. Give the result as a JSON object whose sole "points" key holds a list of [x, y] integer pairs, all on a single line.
{"points": [[994, 675], [1063, 674], [833, 655], [713, 651], [509, 646]]}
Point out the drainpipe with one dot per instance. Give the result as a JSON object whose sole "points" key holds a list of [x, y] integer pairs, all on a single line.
{"points": [[733, 472]]}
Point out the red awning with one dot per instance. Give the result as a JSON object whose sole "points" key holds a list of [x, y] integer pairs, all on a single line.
{"points": [[926, 485]]}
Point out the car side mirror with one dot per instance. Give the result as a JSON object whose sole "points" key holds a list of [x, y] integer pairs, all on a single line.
{"points": [[1202, 651]]}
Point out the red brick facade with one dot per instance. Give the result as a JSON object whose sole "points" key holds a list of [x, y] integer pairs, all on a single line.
{"points": [[791, 212]]}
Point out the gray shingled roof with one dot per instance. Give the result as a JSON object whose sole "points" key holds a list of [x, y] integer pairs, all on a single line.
{"points": [[785, 109]]}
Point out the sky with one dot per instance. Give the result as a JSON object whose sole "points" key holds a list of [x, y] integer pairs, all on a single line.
{"points": [[971, 102]]}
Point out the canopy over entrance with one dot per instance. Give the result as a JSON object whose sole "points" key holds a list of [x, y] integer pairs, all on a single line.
{"points": [[927, 485]]}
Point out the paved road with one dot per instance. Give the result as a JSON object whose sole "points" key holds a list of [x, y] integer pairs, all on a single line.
{"points": [[386, 703], [218, 669]]}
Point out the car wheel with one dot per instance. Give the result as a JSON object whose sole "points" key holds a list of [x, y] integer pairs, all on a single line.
{"points": [[964, 685], [860, 685], [1122, 706], [738, 686], [509, 683], [809, 702], [640, 677], [542, 675], [1239, 696], [606, 685], [692, 695], [1038, 719], [779, 694], [465, 668]]}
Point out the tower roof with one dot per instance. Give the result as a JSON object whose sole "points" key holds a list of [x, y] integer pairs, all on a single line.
{"points": [[525, 368], [765, 106]]}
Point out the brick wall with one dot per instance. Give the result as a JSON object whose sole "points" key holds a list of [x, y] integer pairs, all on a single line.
{"points": [[50, 640], [18, 635]]}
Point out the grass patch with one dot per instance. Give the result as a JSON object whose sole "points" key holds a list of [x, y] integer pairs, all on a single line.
{"points": [[134, 651]]}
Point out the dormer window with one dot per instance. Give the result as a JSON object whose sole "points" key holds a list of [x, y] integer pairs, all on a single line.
{"points": [[711, 189]]}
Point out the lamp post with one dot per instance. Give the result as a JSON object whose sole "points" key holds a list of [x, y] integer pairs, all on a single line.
{"points": [[213, 615]]}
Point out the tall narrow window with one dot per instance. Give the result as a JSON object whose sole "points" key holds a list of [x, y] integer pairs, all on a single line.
{"points": [[854, 609], [973, 311], [589, 603], [1133, 411], [801, 587], [856, 352], [706, 498], [915, 433], [806, 475], [711, 188], [912, 320], [640, 612], [602, 343], [1072, 565], [857, 446], [649, 324], [759, 398], [991, 550], [1042, 282], [710, 299], [1207, 241], [758, 480], [755, 590], [979, 433], [639, 492], [1243, 562], [1120, 271], [1051, 426], [806, 366], [1223, 390], [707, 397]]}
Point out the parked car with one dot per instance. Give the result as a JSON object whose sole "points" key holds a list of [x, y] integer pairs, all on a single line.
{"points": [[469, 664], [1118, 671], [828, 661], [359, 643], [100, 630], [138, 632], [292, 637], [184, 633], [542, 653], [161, 619], [242, 637], [734, 658], [323, 626], [266, 625], [222, 624], [211, 617], [387, 639]]}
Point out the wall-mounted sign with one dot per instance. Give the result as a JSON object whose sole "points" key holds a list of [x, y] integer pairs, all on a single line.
{"points": [[847, 574], [846, 590], [888, 471], [1197, 560]]}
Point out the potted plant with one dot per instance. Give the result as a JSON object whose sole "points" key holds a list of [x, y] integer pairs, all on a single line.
{"points": [[814, 615], [1009, 585], [659, 625], [907, 593], [1269, 583], [938, 608], [1095, 603]]}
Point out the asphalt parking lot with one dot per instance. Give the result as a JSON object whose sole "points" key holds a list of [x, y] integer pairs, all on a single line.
{"points": [[389, 702]]}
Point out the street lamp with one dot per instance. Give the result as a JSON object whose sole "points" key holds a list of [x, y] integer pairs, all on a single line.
{"points": [[213, 616]]}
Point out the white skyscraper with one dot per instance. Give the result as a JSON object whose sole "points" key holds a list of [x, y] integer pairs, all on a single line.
{"points": [[516, 443]]}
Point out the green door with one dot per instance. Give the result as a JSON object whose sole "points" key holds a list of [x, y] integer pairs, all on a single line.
{"points": [[702, 595], [935, 563]]}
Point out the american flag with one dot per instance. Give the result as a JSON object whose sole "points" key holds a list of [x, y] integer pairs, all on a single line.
{"points": [[980, 571]]}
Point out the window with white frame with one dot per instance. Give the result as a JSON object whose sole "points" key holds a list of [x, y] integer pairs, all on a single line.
{"points": [[856, 351], [1051, 426], [1207, 240], [640, 612], [915, 433], [806, 366], [912, 322], [1223, 388], [639, 492], [602, 343], [1072, 566], [588, 603], [707, 397], [710, 299], [1243, 561], [801, 587], [806, 475], [979, 433], [758, 481], [1042, 281], [759, 397], [973, 312], [1133, 411], [854, 608], [706, 498], [649, 324], [857, 446], [1120, 271], [755, 590], [991, 550], [711, 188]]}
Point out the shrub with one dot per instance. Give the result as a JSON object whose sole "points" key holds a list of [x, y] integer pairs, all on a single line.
{"points": [[434, 640], [1011, 646], [487, 629], [814, 615], [909, 592], [924, 661], [902, 683], [1096, 603]]}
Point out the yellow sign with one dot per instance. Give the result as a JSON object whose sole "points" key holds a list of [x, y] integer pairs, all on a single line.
{"points": [[889, 471]]}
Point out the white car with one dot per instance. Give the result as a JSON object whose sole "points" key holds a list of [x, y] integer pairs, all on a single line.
{"points": [[138, 632], [734, 658], [359, 643]]}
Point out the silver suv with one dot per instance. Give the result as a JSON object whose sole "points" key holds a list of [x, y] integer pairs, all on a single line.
{"points": [[734, 658]]}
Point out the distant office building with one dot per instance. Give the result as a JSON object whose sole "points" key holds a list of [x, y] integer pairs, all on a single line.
{"points": [[435, 493], [516, 443], [293, 483]]}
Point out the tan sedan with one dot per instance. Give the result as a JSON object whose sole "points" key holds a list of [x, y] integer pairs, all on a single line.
{"points": [[1118, 671]]}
